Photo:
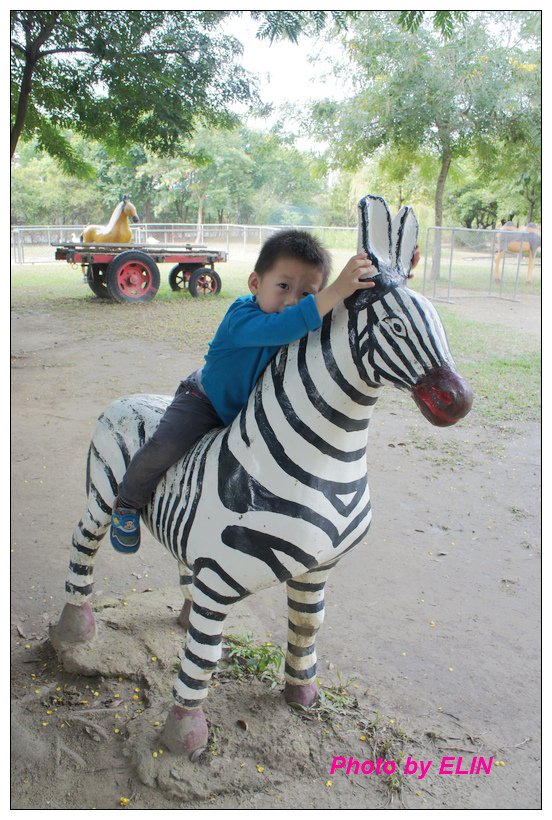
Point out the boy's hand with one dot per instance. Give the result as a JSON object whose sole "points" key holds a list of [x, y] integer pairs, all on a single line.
{"points": [[415, 259], [351, 278]]}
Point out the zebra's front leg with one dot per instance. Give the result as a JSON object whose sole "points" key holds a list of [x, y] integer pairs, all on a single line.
{"points": [[77, 623], [305, 617], [185, 730]]}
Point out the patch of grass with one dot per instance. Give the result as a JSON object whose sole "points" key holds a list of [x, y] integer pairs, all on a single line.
{"points": [[245, 659], [503, 367]]}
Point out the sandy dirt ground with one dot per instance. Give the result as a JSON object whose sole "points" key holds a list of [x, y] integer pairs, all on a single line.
{"points": [[432, 625]]}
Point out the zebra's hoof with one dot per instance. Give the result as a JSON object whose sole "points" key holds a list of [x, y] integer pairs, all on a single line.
{"points": [[185, 732], [183, 619], [76, 624], [301, 695]]}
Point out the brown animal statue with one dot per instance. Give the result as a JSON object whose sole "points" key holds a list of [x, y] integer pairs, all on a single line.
{"points": [[526, 239], [117, 230]]}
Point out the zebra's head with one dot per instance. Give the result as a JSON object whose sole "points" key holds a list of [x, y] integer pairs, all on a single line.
{"points": [[395, 333]]}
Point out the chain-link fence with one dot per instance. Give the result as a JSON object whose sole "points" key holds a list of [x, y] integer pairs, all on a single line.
{"points": [[457, 262], [33, 243], [461, 262]]}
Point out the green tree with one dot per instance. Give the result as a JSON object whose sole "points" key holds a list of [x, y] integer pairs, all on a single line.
{"points": [[123, 77], [419, 93]]}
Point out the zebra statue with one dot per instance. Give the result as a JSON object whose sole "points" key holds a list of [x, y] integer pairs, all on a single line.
{"points": [[282, 493]]}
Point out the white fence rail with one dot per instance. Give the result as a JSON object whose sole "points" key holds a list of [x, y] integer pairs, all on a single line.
{"points": [[33, 243], [457, 262]]}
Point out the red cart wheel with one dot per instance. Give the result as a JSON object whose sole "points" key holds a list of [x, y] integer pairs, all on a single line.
{"points": [[179, 276], [95, 276], [132, 276], [204, 282]]}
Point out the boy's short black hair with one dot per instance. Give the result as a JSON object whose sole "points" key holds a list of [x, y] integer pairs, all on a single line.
{"points": [[295, 245]]}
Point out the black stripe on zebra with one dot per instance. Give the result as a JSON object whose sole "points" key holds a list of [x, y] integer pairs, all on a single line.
{"points": [[339, 419], [243, 427], [203, 637], [305, 631], [331, 489], [90, 536], [245, 493], [210, 563], [215, 596], [80, 569], [306, 432], [86, 550], [72, 589], [121, 443], [298, 606], [435, 361], [261, 545], [192, 683], [103, 505], [210, 614], [300, 651], [87, 479], [106, 468], [301, 674], [301, 586], [430, 353], [203, 663], [333, 369], [191, 512]]}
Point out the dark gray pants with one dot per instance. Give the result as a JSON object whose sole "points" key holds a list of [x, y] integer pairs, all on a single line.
{"points": [[189, 416]]}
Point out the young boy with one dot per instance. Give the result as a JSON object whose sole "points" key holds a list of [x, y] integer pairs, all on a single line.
{"points": [[289, 298]]}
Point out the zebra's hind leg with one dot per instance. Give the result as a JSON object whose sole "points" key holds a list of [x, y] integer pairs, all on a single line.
{"points": [[77, 623], [186, 577], [305, 617]]}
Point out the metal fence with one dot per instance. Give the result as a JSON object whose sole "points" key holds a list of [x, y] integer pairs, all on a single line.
{"points": [[457, 262], [463, 262], [33, 243]]}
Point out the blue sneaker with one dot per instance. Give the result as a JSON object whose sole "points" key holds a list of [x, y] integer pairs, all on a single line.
{"points": [[125, 530]]}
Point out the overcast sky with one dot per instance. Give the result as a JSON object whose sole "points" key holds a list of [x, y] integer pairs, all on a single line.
{"points": [[285, 75]]}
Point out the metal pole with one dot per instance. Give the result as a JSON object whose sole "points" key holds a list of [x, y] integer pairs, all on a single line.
{"points": [[520, 255], [491, 279], [450, 262], [425, 261], [502, 271]]}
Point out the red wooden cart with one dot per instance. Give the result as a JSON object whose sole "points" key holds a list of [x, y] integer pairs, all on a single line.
{"points": [[130, 273]]}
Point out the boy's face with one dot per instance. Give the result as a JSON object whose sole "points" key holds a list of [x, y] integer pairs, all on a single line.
{"points": [[285, 284]]}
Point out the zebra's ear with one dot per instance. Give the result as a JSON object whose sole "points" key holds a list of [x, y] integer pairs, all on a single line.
{"points": [[404, 237], [374, 231]]}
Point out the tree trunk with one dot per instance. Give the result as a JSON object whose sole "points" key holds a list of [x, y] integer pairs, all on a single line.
{"points": [[200, 204], [22, 104], [446, 158]]}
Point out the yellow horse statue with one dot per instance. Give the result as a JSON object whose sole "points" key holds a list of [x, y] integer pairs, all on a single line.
{"points": [[117, 230]]}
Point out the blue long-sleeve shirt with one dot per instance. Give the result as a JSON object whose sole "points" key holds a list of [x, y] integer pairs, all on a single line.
{"points": [[243, 345]]}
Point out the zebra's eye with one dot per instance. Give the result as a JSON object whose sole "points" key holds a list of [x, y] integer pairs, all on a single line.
{"points": [[397, 325]]}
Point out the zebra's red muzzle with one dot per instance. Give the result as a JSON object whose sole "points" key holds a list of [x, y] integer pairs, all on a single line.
{"points": [[443, 396]]}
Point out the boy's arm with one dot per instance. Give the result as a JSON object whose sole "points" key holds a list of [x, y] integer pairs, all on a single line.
{"points": [[250, 327]]}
